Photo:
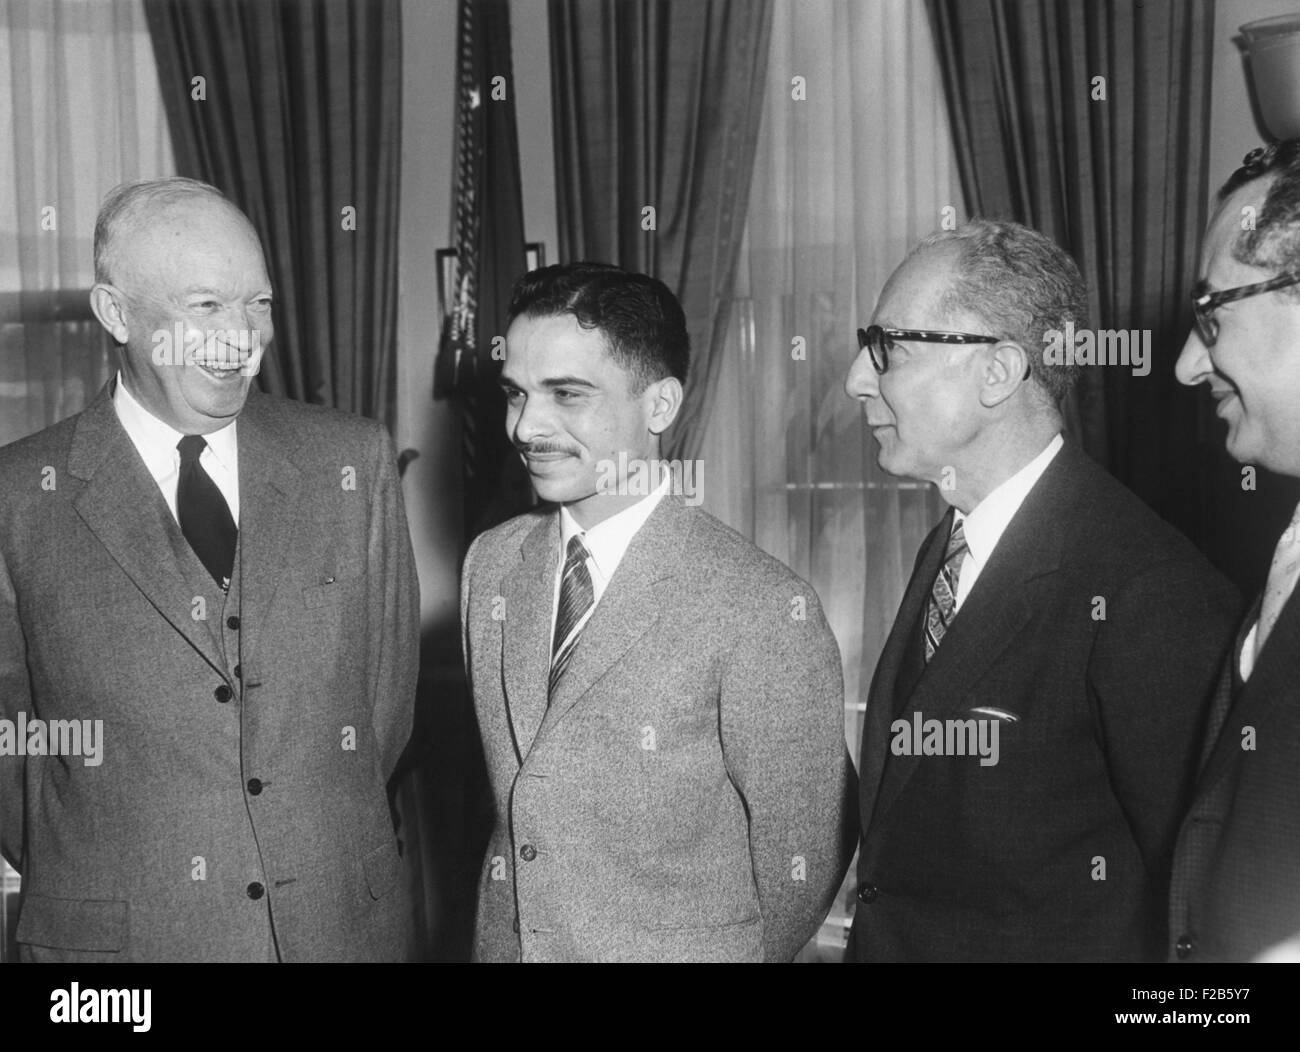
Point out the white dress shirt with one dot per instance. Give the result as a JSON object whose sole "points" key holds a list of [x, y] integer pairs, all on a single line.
{"points": [[985, 524], [156, 444], [1282, 575], [606, 543]]}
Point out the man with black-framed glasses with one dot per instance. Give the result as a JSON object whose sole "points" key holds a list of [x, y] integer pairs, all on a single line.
{"points": [[1236, 885], [1033, 723]]}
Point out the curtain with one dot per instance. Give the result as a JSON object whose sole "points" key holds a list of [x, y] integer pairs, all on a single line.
{"points": [[82, 113], [854, 164], [293, 109], [1090, 122], [656, 107]]}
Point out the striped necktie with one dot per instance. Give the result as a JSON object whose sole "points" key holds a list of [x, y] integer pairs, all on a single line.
{"points": [[577, 596], [941, 607]]}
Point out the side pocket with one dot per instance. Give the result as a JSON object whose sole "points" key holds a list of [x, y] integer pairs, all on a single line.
{"points": [[73, 924]]}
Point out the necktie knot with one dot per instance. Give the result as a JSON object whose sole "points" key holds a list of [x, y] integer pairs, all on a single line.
{"points": [[191, 447]]}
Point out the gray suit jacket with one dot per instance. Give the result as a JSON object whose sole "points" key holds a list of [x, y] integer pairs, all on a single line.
{"points": [[684, 794], [246, 749]]}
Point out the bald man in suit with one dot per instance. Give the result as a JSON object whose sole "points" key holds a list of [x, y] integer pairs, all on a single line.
{"points": [[216, 587]]}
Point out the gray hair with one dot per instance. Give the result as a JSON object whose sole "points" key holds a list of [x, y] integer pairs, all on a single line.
{"points": [[126, 204], [1022, 285]]}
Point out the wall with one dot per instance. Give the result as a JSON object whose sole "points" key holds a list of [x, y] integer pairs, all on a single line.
{"points": [[1233, 128]]}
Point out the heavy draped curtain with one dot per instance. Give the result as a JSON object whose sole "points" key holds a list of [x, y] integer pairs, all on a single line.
{"points": [[297, 118], [656, 106]]}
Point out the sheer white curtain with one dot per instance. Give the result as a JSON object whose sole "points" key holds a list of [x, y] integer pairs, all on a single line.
{"points": [[847, 178], [83, 112]]}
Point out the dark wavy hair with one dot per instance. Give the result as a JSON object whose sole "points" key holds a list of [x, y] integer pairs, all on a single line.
{"points": [[641, 320]]}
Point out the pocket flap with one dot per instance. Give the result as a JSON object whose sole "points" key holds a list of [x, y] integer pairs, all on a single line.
{"points": [[72, 924]]}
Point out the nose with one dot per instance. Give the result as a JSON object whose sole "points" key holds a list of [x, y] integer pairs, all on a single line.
{"points": [[863, 381], [1194, 365], [526, 420]]}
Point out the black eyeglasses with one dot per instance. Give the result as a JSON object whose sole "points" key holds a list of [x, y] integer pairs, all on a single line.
{"points": [[877, 339], [1205, 303]]}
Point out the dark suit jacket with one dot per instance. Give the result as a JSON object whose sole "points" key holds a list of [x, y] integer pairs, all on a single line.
{"points": [[1097, 748], [241, 747], [684, 794], [1236, 885]]}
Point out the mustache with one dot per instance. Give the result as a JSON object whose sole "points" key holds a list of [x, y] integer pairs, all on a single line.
{"points": [[534, 448]]}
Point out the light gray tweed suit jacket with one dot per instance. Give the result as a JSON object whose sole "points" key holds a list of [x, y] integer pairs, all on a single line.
{"points": [[686, 795], [241, 794]]}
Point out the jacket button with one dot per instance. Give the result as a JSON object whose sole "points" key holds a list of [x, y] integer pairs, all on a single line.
{"points": [[1184, 947], [232, 622], [255, 890], [868, 893], [223, 694], [516, 925], [255, 786], [528, 852]]}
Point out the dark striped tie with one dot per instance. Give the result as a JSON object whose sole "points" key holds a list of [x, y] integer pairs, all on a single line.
{"points": [[941, 606], [577, 596]]}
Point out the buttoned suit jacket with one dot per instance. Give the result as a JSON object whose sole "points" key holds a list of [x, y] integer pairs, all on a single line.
{"points": [[245, 753], [684, 794], [1236, 884], [1092, 636]]}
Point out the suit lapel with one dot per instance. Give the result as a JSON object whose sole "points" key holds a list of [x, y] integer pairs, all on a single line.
{"points": [[885, 683], [629, 607], [993, 615], [268, 513], [529, 593], [1272, 679], [122, 506]]}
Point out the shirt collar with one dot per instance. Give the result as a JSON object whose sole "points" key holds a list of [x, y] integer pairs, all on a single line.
{"points": [[157, 440], [984, 526], [608, 540]]}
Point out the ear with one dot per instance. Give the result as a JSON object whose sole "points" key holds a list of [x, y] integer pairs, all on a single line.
{"points": [[109, 306], [1006, 368], [663, 400]]}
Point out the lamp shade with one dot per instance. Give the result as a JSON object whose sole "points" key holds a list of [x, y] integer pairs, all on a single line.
{"points": [[1274, 48]]}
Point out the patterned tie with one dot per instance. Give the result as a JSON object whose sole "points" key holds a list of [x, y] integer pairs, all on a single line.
{"points": [[1281, 581], [941, 606], [203, 513], [577, 596]]}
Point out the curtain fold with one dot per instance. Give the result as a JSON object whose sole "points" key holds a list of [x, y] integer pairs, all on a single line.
{"points": [[297, 117], [656, 106], [1090, 122]]}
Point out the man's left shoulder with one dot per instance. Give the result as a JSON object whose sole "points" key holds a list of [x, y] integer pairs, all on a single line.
{"points": [[314, 428], [719, 559]]}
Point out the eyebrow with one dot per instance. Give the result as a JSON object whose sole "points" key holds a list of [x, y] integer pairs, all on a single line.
{"points": [[553, 382]]}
